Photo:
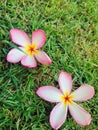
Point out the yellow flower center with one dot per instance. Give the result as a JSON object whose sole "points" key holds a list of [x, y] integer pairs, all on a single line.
{"points": [[31, 49], [67, 98]]}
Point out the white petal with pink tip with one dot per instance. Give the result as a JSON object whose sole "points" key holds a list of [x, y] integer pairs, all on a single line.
{"points": [[58, 115], [81, 116], [15, 55], [65, 82], [19, 37], [83, 93], [39, 38], [29, 61], [49, 93], [43, 58]]}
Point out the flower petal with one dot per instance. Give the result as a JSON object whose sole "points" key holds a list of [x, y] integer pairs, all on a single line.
{"points": [[43, 58], [29, 61], [65, 82], [58, 115], [19, 37], [15, 55], [49, 93], [83, 93], [39, 38], [81, 116]]}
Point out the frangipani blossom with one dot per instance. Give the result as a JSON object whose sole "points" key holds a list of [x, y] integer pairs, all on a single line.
{"points": [[66, 100], [29, 48]]}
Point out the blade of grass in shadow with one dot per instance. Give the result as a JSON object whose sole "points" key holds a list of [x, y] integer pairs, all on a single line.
{"points": [[13, 45]]}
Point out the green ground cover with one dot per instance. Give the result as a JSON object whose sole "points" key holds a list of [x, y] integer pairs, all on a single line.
{"points": [[71, 27]]}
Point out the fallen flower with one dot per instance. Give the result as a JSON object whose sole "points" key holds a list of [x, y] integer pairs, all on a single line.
{"points": [[66, 101], [29, 49]]}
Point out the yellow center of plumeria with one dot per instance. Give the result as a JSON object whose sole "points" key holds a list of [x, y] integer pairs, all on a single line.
{"points": [[67, 98], [31, 49]]}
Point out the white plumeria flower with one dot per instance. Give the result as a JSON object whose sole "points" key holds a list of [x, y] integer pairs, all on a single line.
{"points": [[30, 49], [66, 101]]}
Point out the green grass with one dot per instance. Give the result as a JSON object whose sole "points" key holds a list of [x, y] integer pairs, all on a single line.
{"points": [[71, 27]]}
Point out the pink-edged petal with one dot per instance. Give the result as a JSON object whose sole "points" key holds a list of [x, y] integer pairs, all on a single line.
{"points": [[43, 58], [19, 37], [49, 93], [65, 82], [15, 55], [83, 93], [58, 115], [29, 61], [81, 116], [39, 38]]}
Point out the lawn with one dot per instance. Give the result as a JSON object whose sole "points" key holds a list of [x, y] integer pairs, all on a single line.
{"points": [[71, 27]]}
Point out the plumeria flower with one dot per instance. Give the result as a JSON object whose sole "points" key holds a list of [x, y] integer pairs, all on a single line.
{"points": [[30, 49], [66, 100]]}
